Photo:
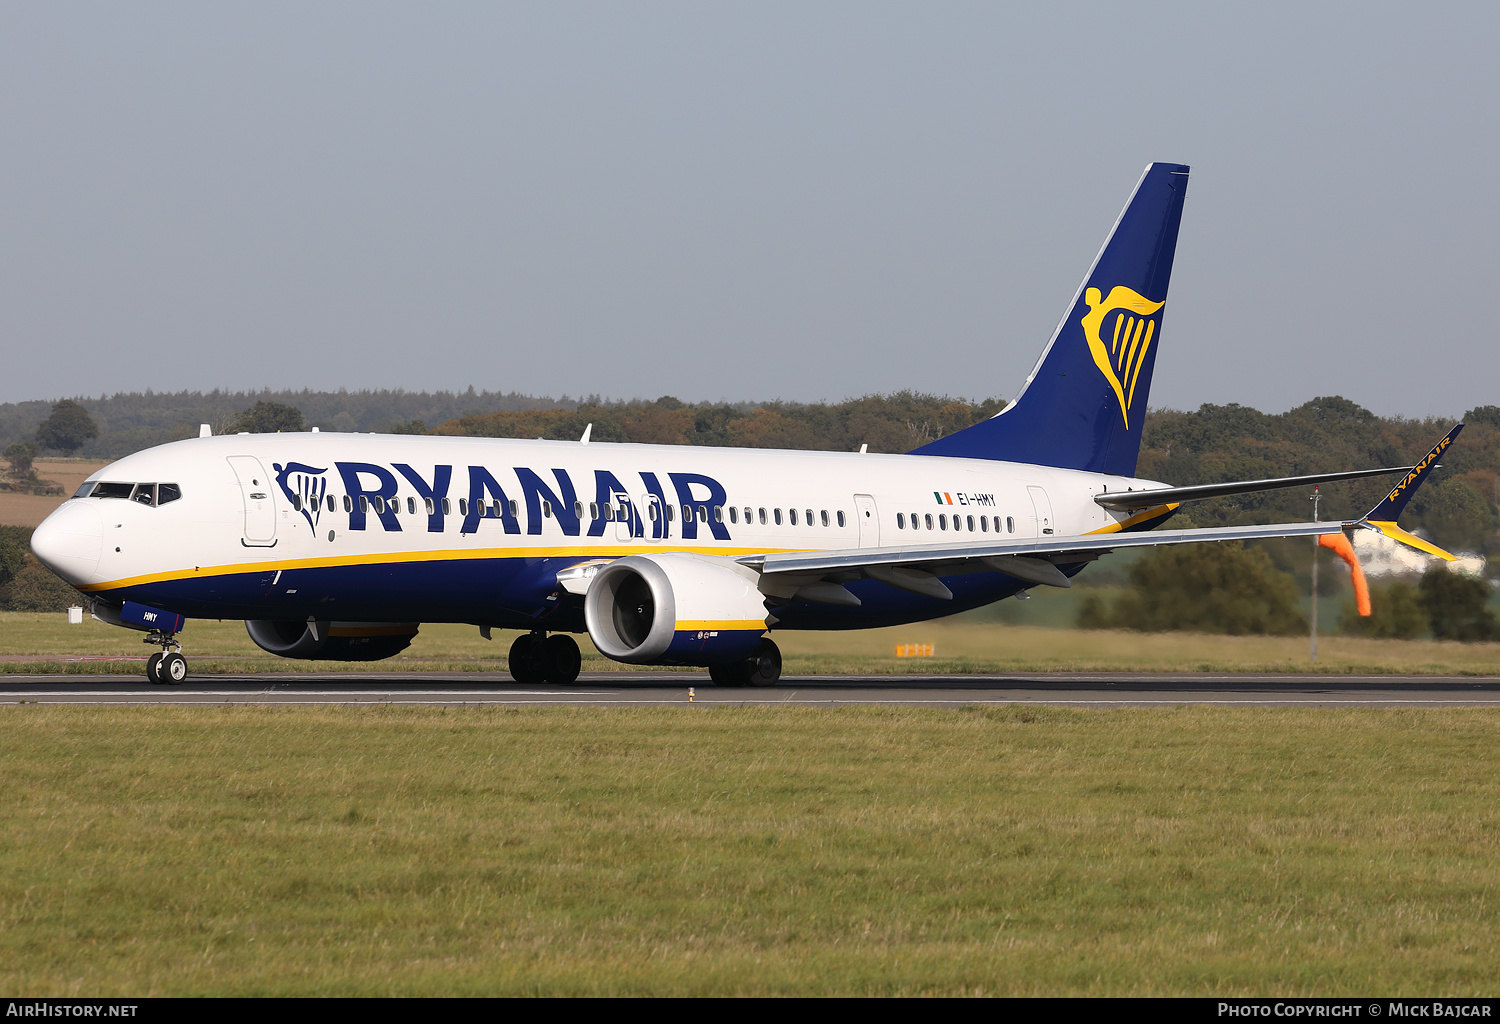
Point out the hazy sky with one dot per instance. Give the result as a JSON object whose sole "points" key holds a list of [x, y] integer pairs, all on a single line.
{"points": [[743, 201]]}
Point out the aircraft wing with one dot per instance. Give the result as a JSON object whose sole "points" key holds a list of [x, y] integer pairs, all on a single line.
{"points": [[1202, 492], [916, 567]]}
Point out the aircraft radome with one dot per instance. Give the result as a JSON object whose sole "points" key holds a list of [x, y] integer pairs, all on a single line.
{"points": [[338, 546]]}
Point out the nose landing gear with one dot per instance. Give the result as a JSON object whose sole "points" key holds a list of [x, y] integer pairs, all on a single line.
{"points": [[169, 668]]}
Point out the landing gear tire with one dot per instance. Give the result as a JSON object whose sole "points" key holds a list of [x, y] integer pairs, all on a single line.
{"points": [[563, 659], [763, 668], [172, 669], [528, 660], [153, 668]]}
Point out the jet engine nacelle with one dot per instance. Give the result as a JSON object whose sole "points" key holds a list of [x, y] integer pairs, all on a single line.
{"points": [[675, 609], [331, 641]]}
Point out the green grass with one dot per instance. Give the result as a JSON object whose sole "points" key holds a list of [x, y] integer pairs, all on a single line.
{"points": [[769, 850], [965, 643]]}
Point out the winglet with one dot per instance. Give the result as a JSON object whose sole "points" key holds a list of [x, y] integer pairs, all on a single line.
{"points": [[1382, 518]]}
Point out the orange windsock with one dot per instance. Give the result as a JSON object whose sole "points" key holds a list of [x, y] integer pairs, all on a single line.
{"points": [[1339, 545]]}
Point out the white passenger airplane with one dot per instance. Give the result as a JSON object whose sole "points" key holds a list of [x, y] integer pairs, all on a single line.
{"points": [[337, 546]]}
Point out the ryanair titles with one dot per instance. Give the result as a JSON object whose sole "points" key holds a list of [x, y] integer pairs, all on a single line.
{"points": [[644, 510]]}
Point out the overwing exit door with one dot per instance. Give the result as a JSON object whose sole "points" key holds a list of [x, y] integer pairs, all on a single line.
{"points": [[1041, 506], [869, 521]]}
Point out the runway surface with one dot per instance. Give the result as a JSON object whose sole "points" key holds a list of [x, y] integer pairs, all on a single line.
{"points": [[615, 689]]}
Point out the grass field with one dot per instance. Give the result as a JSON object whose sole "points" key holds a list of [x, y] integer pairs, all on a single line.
{"points": [[962, 644], [31, 509], [771, 850]]}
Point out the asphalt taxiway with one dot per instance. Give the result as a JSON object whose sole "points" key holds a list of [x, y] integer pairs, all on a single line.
{"points": [[620, 688]]}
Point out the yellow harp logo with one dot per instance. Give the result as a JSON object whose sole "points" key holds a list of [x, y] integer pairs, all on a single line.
{"points": [[1130, 338]]}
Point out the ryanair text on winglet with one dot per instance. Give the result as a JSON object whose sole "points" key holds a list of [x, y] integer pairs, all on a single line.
{"points": [[1418, 469]]}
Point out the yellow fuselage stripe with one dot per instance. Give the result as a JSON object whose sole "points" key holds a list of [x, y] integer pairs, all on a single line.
{"points": [[758, 625], [396, 558]]}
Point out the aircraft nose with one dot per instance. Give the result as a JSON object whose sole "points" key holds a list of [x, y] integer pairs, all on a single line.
{"points": [[70, 540]]}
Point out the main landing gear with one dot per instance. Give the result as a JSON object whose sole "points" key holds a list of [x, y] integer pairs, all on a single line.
{"points": [[169, 668], [539, 658], [763, 668]]}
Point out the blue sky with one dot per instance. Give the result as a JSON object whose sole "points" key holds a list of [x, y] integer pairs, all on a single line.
{"points": [[744, 201]]}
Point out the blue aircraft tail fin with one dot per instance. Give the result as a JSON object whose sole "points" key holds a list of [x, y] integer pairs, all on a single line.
{"points": [[1085, 402]]}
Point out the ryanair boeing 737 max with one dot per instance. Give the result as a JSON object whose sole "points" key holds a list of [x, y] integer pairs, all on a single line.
{"points": [[337, 546]]}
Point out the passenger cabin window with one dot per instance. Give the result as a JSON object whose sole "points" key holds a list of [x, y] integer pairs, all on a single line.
{"points": [[763, 517], [427, 505], [546, 509], [463, 506], [734, 513], [928, 517], [515, 508], [900, 520], [984, 524], [1010, 524], [809, 517], [447, 506], [776, 514], [748, 517], [411, 506], [718, 513], [841, 517], [825, 518], [792, 515], [364, 503], [348, 503], [577, 510]]}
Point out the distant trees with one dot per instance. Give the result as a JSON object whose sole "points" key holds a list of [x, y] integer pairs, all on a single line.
{"points": [[886, 423], [1204, 588], [21, 455], [268, 418], [1455, 606], [35, 588], [1396, 613], [68, 428]]}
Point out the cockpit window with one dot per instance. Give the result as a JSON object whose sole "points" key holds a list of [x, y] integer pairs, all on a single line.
{"points": [[146, 494]]}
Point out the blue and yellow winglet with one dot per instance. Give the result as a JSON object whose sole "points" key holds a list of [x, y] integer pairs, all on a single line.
{"points": [[1382, 518]]}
